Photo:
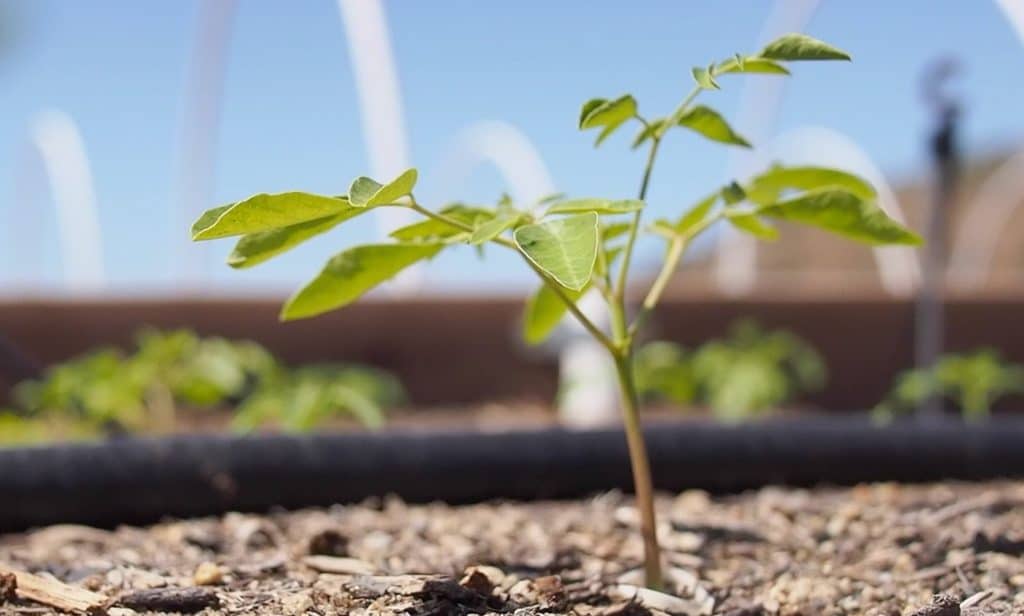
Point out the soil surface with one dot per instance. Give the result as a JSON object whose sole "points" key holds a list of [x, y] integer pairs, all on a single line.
{"points": [[879, 549]]}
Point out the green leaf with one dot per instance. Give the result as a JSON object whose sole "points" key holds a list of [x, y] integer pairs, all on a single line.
{"points": [[264, 212], [490, 229], [544, 311], [564, 248], [767, 187], [550, 198], [705, 79], [793, 47], [647, 132], [844, 213], [752, 224], [614, 230], [366, 192], [751, 64], [601, 206], [611, 253], [697, 214], [351, 273], [732, 193], [432, 230], [256, 248], [608, 115], [664, 229], [712, 125], [588, 108]]}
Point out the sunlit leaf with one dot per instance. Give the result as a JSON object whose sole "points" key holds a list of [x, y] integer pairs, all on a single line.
{"points": [[769, 186], [490, 229], [544, 311], [647, 132], [793, 47], [256, 248], [705, 79], [751, 64], [732, 193], [608, 115], [351, 273], [601, 206], [432, 230], [366, 192], [752, 224], [264, 212], [712, 125], [550, 198], [614, 230], [696, 215], [564, 248], [844, 213]]}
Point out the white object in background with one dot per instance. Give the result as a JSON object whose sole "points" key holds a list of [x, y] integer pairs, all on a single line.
{"points": [[200, 128], [588, 393], [735, 264], [898, 267], [508, 149], [62, 151], [380, 106], [993, 206], [995, 202]]}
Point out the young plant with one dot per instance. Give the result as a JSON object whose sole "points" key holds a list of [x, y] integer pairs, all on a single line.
{"points": [[973, 381], [177, 369], [746, 375], [572, 245]]}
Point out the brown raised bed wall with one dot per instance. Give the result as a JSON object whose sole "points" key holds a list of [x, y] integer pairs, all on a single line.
{"points": [[467, 350]]}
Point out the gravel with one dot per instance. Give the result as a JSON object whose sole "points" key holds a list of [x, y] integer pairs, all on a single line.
{"points": [[880, 549]]}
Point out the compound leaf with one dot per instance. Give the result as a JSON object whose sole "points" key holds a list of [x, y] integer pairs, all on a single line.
{"points": [[350, 274]]}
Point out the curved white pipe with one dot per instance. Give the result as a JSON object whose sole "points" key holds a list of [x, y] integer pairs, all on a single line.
{"points": [[998, 197], [508, 149], [974, 246], [760, 100], [380, 97], [200, 128], [898, 267], [56, 137], [1013, 10]]}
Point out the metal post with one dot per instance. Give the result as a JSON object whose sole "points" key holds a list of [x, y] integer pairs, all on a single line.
{"points": [[930, 318]]}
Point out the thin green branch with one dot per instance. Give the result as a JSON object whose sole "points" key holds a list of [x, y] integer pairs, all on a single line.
{"points": [[676, 250]]}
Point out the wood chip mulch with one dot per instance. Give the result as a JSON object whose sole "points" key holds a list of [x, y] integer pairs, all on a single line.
{"points": [[881, 550]]}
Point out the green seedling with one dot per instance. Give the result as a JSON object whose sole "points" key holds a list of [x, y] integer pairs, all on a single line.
{"points": [[175, 370], [973, 382], [742, 377], [572, 245], [304, 398]]}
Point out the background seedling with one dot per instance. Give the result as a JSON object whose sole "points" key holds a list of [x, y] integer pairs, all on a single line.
{"points": [[972, 381], [176, 371], [744, 376], [572, 245]]}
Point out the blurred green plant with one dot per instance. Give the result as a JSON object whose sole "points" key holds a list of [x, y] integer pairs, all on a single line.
{"points": [[174, 371], [748, 374], [973, 382], [304, 398]]}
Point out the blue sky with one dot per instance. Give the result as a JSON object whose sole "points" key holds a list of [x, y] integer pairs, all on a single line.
{"points": [[291, 119]]}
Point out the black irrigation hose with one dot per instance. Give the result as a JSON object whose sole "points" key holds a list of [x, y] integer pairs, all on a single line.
{"points": [[142, 480]]}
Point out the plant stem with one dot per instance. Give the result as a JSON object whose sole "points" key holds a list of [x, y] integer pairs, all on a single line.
{"points": [[627, 254], [642, 484], [676, 249], [594, 330], [675, 252]]}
